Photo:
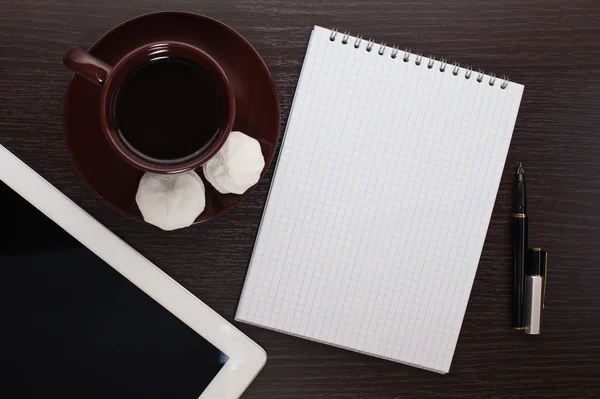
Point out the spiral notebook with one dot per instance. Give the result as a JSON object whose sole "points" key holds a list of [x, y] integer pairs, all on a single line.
{"points": [[381, 201]]}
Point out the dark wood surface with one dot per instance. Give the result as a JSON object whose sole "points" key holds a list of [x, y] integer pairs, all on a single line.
{"points": [[552, 47]]}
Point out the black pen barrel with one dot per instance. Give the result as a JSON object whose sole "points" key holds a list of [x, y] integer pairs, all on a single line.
{"points": [[519, 252]]}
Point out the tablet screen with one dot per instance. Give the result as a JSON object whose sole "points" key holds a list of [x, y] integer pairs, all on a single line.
{"points": [[72, 327]]}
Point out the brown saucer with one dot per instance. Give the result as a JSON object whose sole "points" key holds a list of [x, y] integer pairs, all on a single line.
{"points": [[257, 105]]}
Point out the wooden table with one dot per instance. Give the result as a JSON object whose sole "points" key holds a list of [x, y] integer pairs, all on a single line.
{"points": [[552, 47]]}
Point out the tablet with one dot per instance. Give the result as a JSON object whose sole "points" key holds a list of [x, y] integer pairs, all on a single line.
{"points": [[83, 315]]}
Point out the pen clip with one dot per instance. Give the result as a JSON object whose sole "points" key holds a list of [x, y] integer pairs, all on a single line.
{"points": [[544, 280]]}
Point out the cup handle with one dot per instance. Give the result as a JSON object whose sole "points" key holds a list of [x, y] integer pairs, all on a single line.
{"points": [[89, 67]]}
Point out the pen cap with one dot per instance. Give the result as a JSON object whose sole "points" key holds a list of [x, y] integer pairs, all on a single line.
{"points": [[536, 262], [535, 288]]}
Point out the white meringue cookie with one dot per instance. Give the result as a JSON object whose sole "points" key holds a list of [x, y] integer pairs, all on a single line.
{"points": [[171, 202], [237, 166]]}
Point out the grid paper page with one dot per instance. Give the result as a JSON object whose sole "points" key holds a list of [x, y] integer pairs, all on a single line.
{"points": [[380, 203]]}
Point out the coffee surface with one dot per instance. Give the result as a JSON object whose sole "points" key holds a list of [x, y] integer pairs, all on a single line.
{"points": [[169, 109]]}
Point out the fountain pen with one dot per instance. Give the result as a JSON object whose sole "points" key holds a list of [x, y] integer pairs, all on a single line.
{"points": [[519, 217]]}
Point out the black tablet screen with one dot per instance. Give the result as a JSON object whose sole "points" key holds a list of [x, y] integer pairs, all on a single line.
{"points": [[73, 327]]}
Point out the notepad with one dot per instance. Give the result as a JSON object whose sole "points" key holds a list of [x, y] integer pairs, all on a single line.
{"points": [[381, 201]]}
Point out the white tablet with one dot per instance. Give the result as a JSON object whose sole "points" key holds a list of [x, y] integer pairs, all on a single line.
{"points": [[84, 315]]}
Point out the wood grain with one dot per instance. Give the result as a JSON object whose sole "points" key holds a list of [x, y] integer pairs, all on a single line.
{"points": [[550, 46]]}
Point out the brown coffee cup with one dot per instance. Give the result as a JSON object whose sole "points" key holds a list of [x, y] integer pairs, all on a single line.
{"points": [[111, 78]]}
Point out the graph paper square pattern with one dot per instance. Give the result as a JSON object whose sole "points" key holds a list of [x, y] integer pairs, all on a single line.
{"points": [[380, 202]]}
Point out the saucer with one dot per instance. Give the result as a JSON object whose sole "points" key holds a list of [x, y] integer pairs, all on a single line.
{"points": [[113, 180]]}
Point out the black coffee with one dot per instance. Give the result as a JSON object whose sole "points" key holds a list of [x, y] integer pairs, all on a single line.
{"points": [[169, 109]]}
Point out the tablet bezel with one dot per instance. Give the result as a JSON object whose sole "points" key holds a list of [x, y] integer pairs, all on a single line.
{"points": [[246, 358]]}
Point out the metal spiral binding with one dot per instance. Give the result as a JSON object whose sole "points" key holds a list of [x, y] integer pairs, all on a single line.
{"points": [[418, 58], [444, 62], [357, 41], [345, 38], [468, 72], [431, 61], [456, 68]]}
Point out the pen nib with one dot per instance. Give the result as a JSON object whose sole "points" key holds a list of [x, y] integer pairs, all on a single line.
{"points": [[520, 171]]}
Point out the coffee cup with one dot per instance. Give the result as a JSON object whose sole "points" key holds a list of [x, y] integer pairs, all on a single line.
{"points": [[165, 107]]}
